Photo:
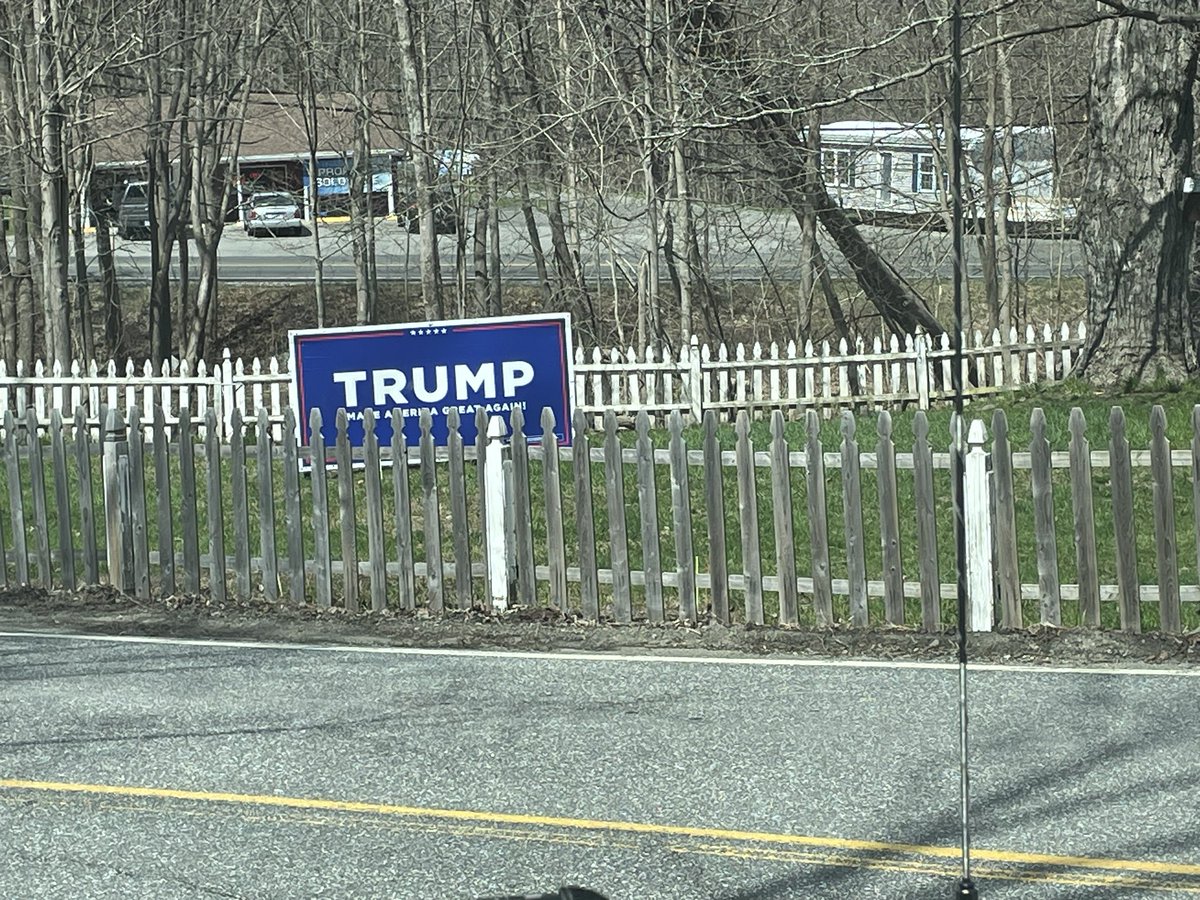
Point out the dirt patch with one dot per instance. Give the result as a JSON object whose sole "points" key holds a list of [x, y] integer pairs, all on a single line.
{"points": [[101, 610]]}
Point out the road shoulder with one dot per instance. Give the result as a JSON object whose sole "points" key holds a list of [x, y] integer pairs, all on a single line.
{"points": [[103, 611]]}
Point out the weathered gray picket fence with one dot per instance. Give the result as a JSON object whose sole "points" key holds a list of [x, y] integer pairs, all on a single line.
{"points": [[599, 528]]}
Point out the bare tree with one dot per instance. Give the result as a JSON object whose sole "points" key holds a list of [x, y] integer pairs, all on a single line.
{"points": [[224, 62], [1144, 321], [409, 21], [55, 219], [168, 81], [15, 104]]}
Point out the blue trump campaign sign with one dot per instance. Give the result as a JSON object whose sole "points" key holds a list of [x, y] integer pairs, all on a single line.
{"points": [[496, 365]]}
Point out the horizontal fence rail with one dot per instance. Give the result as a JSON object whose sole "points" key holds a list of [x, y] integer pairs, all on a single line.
{"points": [[793, 523], [693, 380]]}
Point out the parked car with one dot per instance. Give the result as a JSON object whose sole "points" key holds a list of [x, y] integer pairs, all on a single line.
{"points": [[445, 216], [133, 211], [273, 212]]}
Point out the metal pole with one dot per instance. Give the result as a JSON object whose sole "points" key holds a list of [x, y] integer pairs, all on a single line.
{"points": [[966, 886]]}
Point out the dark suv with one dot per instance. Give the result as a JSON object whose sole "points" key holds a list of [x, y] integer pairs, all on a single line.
{"points": [[445, 215], [133, 211]]}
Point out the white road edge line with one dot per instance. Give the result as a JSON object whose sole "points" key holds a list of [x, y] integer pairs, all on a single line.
{"points": [[582, 656]]}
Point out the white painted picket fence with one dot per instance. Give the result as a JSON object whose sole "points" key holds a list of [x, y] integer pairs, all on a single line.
{"points": [[761, 379], [694, 379]]}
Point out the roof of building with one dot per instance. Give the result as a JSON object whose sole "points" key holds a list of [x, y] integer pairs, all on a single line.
{"points": [[917, 136], [273, 129]]}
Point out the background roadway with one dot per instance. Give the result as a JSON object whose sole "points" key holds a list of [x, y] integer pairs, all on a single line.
{"points": [[750, 246]]}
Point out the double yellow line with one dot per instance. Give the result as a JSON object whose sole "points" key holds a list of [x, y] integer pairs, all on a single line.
{"points": [[830, 851]]}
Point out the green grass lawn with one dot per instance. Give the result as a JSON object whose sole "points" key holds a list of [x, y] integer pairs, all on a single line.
{"points": [[1056, 402]]}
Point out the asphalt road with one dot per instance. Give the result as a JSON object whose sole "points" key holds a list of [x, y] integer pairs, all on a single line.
{"points": [[748, 246], [177, 770]]}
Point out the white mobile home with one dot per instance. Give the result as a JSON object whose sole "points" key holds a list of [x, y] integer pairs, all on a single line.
{"points": [[892, 167]]}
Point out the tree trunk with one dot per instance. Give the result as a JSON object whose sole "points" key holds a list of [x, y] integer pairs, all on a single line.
{"points": [[307, 95], [812, 264], [479, 233], [683, 214], [22, 266], [17, 315], [535, 239], [54, 210], [362, 183], [1006, 251], [985, 210], [902, 309], [495, 296], [83, 300], [564, 257], [8, 301], [162, 245], [571, 159], [114, 327], [502, 98], [1143, 322], [412, 86]]}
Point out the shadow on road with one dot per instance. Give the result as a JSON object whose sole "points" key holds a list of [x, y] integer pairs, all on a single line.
{"points": [[1031, 800]]}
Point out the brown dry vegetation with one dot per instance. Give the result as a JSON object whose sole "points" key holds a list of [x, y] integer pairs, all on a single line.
{"points": [[255, 319]]}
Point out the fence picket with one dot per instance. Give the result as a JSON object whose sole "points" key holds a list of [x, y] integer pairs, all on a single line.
{"points": [[1085, 521], [373, 490], [1045, 537], [432, 518], [293, 523], [137, 523], [714, 503], [1166, 555], [118, 532], [62, 502], [681, 517], [403, 511], [347, 523], [585, 521], [747, 485], [926, 510], [648, 507], [522, 510], [781, 509], [556, 546], [239, 508], [16, 499], [481, 444], [213, 506], [319, 482], [614, 483], [1124, 530], [37, 495], [818, 521], [162, 484], [87, 516], [1007, 563], [889, 521], [856, 563], [458, 513], [187, 502], [268, 549]]}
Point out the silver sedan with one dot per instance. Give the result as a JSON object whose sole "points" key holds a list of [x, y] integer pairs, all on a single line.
{"points": [[273, 213]]}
